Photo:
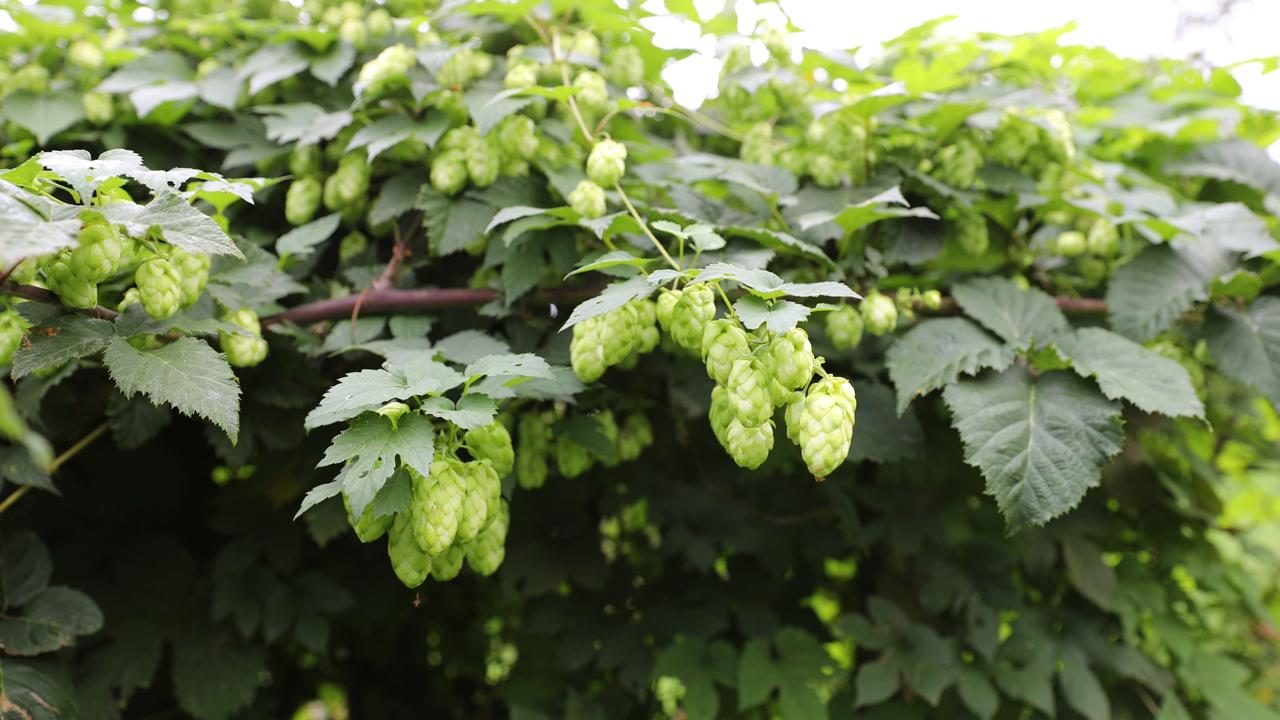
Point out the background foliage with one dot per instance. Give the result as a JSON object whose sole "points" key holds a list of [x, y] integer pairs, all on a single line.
{"points": [[1061, 495]]}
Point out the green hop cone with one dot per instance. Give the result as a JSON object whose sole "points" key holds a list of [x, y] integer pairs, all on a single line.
{"points": [[748, 392], [305, 160], [572, 459], [1104, 239], [879, 313], [533, 436], [748, 446], [586, 349], [369, 528], [844, 327], [517, 137], [12, 328], [483, 162], [607, 163], [593, 93], [824, 170], [1071, 244], [447, 565], [791, 357], [159, 288], [449, 172], [634, 436], [349, 184], [71, 289], [583, 45], [646, 318], [666, 305], [85, 54], [587, 199], [99, 108], [793, 414], [387, 71], [695, 308], [98, 254], [490, 485], [194, 269], [521, 76], [492, 442], [302, 200], [723, 343], [824, 425], [758, 146], [958, 164], [609, 428], [720, 413], [624, 66], [463, 67], [242, 350], [931, 299], [475, 501], [620, 332], [485, 555], [437, 505], [970, 231], [410, 563]]}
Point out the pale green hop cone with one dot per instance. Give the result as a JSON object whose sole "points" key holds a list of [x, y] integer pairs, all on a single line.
{"points": [[410, 562], [748, 392], [485, 555], [368, 528], [723, 343], [695, 308], [572, 459], [586, 349], [437, 506], [159, 288], [748, 446], [447, 565], [492, 442], [665, 307]]}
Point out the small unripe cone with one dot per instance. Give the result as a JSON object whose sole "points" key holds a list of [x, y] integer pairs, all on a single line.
{"points": [[571, 458], [665, 306], [99, 108], [620, 331], [305, 160], [879, 313], [721, 413], [410, 563], [437, 505], [625, 66], [485, 555], [748, 392], [748, 446], [386, 71], [723, 343], [449, 172], [492, 442], [447, 565], [587, 199], [243, 351], [159, 288], [793, 415], [517, 137], [844, 327], [369, 528], [486, 478], [607, 163], [695, 308]]}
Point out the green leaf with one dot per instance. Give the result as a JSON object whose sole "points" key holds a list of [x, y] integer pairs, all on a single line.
{"points": [[613, 297], [936, 352], [1080, 687], [755, 674], [1088, 573], [469, 346], [1040, 442], [1125, 369], [977, 693], [471, 411], [769, 285], [394, 129], [27, 225], [368, 449], [511, 365], [180, 223], [45, 115], [1149, 293], [1236, 160], [515, 212], [888, 204], [135, 421], [1024, 318], [1230, 226], [876, 681], [24, 569], [881, 434], [331, 65], [71, 337], [488, 103], [395, 496], [780, 241], [799, 663], [698, 666], [397, 196], [51, 620], [452, 224], [28, 694], [303, 123], [186, 374], [270, 64], [215, 673], [617, 258], [1246, 344], [365, 390], [302, 240], [780, 316]]}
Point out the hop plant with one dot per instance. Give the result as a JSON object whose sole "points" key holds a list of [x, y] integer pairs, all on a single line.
{"points": [[1072, 243], [572, 459], [584, 45], [533, 436], [463, 67], [410, 562], [720, 414], [437, 504], [758, 146], [98, 254], [624, 66], [12, 328], [99, 108], [969, 229], [368, 528], [791, 359], [748, 446], [958, 164], [1104, 239], [587, 199], [73, 290], [603, 340], [844, 327], [607, 163], [194, 269], [520, 76], [485, 555], [386, 71], [302, 200], [724, 342], [517, 137], [492, 442], [475, 499], [449, 172], [242, 350], [748, 392], [159, 288], [824, 424], [593, 94], [879, 313], [348, 184], [666, 305], [695, 308], [634, 436]]}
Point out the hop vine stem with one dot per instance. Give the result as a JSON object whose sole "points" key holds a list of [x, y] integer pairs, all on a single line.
{"points": [[58, 462]]}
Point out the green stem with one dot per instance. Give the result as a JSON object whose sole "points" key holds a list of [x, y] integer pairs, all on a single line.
{"points": [[57, 462], [645, 227]]}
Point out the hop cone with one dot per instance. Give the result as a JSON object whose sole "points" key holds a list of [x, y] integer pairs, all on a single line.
{"points": [[305, 160], [1104, 239], [723, 343], [695, 308], [98, 254], [624, 66], [71, 289], [492, 442], [620, 333], [437, 506], [485, 555], [635, 435], [748, 392], [194, 269], [794, 415], [517, 137], [449, 172], [607, 163], [720, 414], [12, 328], [748, 446], [586, 349], [531, 460], [792, 359], [593, 93], [368, 528], [844, 327], [241, 350], [447, 565], [159, 288], [411, 564], [571, 458], [302, 200], [879, 313], [825, 425], [665, 306], [970, 230], [587, 199], [483, 163]]}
